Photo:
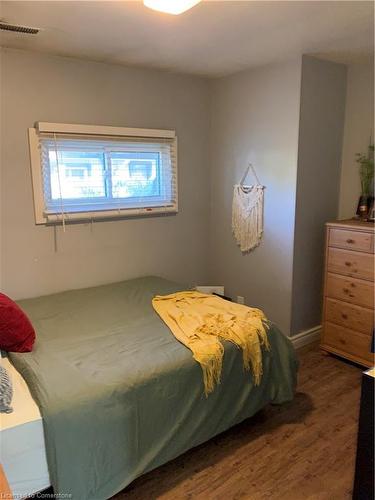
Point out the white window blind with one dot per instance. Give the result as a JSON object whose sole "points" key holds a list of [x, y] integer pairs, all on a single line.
{"points": [[93, 176]]}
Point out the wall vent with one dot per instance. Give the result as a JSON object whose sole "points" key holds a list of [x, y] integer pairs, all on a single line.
{"points": [[18, 29]]}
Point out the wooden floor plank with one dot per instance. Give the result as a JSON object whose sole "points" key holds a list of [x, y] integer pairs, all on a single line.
{"points": [[304, 450]]}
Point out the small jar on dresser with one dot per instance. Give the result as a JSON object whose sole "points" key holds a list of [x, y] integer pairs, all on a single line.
{"points": [[348, 309]]}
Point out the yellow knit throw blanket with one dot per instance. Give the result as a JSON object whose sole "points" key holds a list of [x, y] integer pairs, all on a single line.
{"points": [[199, 321]]}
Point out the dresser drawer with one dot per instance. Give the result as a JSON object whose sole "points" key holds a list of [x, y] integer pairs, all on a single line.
{"points": [[349, 315], [351, 290], [356, 264], [348, 341], [355, 240]]}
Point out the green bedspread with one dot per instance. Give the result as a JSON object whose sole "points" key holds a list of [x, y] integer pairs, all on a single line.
{"points": [[119, 395]]}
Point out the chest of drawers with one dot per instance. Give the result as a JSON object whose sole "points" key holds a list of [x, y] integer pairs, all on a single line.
{"points": [[348, 309]]}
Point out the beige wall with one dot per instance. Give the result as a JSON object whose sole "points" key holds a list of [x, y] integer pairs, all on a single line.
{"points": [[221, 125], [359, 125], [254, 116], [319, 158], [48, 88]]}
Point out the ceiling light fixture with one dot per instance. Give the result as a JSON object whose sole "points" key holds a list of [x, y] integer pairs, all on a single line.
{"points": [[171, 6]]}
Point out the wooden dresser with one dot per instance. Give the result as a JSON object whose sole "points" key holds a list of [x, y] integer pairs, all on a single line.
{"points": [[348, 310]]}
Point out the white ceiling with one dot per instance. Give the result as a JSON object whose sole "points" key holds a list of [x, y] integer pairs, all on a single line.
{"points": [[214, 38]]}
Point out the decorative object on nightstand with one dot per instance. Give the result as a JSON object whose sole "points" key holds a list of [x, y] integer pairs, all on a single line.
{"points": [[371, 212], [348, 310], [366, 175]]}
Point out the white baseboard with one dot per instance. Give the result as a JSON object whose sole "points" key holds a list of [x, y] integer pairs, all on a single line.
{"points": [[306, 337]]}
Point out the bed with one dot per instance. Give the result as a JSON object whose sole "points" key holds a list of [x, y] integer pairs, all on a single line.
{"points": [[119, 395]]}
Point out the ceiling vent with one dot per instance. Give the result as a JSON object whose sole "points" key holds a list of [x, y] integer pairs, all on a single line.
{"points": [[27, 30]]}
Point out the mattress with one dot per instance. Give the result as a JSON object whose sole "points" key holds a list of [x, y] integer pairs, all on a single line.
{"points": [[22, 450]]}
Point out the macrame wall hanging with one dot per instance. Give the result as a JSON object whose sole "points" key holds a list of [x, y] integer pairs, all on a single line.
{"points": [[247, 212]]}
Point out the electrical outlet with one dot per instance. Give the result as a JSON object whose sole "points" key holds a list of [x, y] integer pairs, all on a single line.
{"points": [[240, 299]]}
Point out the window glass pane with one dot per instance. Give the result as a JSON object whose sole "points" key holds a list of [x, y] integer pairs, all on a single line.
{"points": [[78, 175], [135, 174], [103, 174]]}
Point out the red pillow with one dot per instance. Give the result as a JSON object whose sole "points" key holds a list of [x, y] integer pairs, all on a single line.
{"points": [[16, 332]]}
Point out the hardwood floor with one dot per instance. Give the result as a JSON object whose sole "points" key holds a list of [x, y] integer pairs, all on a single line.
{"points": [[298, 451]]}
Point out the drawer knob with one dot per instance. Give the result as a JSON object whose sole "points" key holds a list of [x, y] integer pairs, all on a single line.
{"points": [[349, 240], [345, 290], [348, 264], [344, 316]]}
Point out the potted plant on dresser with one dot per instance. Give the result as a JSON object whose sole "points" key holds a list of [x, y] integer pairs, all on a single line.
{"points": [[366, 174]]}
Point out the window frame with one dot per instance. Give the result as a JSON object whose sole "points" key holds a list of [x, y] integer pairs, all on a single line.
{"points": [[41, 217]]}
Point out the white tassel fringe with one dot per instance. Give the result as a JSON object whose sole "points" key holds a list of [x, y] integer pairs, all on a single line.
{"points": [[247, 216]]}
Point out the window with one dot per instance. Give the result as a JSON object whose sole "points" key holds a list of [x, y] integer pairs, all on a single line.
{"points": [[86, 172]]}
